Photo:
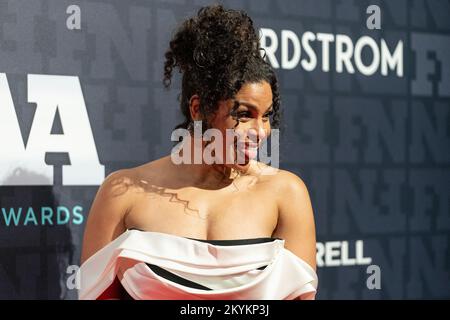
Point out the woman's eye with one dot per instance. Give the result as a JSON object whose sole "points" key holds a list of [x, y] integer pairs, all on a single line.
{"points": [[247, 115]]}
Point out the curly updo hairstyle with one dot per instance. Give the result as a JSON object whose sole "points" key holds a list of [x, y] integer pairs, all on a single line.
{"points": [[217, 52]]}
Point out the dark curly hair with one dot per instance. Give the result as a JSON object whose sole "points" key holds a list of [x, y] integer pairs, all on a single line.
{"points": [[217, 52]]}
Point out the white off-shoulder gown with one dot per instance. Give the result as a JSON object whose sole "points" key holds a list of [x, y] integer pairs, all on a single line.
{"points": [[172, 267]]}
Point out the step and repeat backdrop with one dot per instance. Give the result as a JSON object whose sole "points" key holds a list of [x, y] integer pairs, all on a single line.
{"points": [[365, 89]]}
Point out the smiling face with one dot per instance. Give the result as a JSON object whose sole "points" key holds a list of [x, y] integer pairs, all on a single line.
{"points": [[250, 120]]}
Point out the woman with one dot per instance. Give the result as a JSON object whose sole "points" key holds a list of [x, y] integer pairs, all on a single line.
{"points": [[221, 230]]}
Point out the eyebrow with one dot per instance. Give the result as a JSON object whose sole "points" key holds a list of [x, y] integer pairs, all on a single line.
{"points": [[252, 106]]}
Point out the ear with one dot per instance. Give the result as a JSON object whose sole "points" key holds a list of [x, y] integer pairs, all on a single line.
{"points": [[194, 107]]}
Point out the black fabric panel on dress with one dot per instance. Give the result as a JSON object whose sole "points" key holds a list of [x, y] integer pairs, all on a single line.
{"points": [[176, 278], [180, 280], [233, 242]]}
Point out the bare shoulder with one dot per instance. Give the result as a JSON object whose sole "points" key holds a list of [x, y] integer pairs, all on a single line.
{"points": [[291, 182], [292, 192], [149, 171], [114, 200], [295, 216], [119, 185], [119, 178], [105, 219]]}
